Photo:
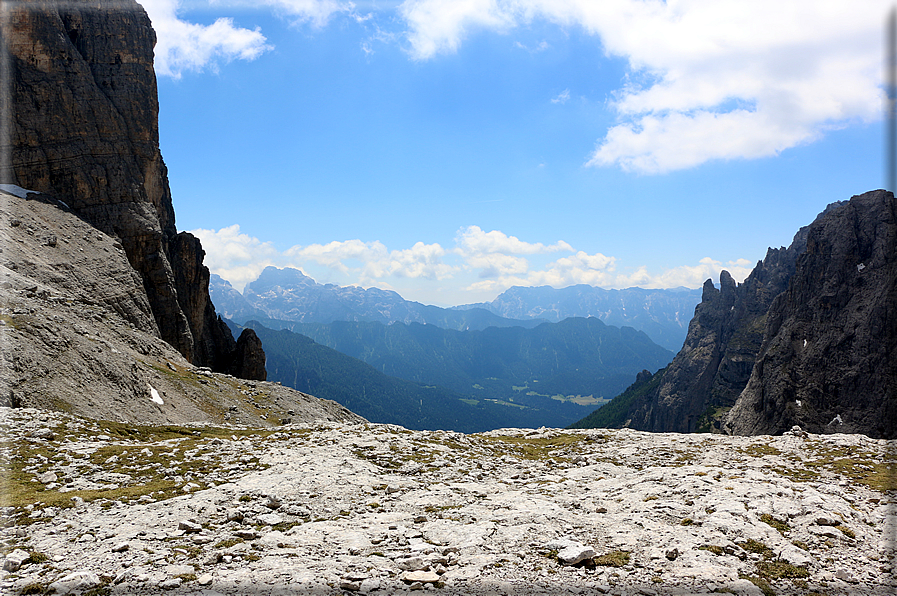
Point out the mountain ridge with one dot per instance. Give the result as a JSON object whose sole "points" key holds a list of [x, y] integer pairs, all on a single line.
{"points": [[809, 339]]}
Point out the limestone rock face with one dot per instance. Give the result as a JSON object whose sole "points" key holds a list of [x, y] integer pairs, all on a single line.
{"points": [[249, 362], [723, 341], [829, 357], [83, 121], [77, 334]]}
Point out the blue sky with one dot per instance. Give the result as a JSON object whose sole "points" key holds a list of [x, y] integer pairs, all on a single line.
{"points": [[451, 149]]}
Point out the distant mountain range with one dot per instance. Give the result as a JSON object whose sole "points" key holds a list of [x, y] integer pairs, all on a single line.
{"points": [[662, 314], [551, 375], [289, 295], [495, 370]]}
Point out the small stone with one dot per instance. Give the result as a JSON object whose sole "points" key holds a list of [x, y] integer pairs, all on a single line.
{"points": [[171, 584], [575, 553], [247, 534], [80, 581], [43, 433], [189, 526], [234, 515], [15, 560], [47, 478], [269, 519], [205, 579], [121, 547], [420, 519], [411, 563], [350, 586], [423, 577]]}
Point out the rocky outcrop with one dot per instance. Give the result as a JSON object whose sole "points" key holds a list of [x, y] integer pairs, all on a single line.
{"points": [[809, 338], [249, 360], [829, 356], [723, 341], [82, 116], [77, 334]]}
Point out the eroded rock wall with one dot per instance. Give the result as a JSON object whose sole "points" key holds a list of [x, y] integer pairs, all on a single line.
{"points": [[723, 341], [81, 117], [829, 358]]}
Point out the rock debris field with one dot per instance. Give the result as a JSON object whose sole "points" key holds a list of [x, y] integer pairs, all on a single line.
{"points": [[100, 507]]}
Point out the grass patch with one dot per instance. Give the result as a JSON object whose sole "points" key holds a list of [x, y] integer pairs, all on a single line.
{"points": [[757, 547], [229, 542], [774, 570], [760, 583], [781, 526], [846, 531], [617, 558], [759, 450], [534, 448]]}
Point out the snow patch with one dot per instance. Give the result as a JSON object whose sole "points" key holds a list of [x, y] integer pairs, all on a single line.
{"points": [[836, 419], [798, 402], [18, 191], [805, 343], [860, 267], [155, 396]]}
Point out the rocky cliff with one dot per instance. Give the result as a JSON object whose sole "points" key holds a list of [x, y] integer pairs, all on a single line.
{"points": [[809, 338], [829, 357], [81, 125], [723, 340], [77, 334]]}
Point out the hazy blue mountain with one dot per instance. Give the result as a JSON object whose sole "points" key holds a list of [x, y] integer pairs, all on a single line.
{"points": [[289, 295], [555, 366], [662, 314], [299, 362], [230, 303]]}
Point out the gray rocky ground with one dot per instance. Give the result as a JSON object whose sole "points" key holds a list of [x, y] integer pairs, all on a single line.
{"points": [[77, 333], [330, 508]]}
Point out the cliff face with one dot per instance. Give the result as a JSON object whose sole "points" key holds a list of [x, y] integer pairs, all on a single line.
{"points": [[723, 341], [809, 338], [82, 122], [829, 357]]}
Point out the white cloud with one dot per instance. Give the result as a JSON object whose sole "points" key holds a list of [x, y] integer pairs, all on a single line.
{"points": [[238, 258], [724, 79], [439, 25], [421, 260], [474, 241], [316, 12], [688, 276], [183, 46], [562, 97], [578, 268], [481, 265]]}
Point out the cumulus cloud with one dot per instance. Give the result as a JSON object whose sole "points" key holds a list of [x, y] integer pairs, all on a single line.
{"points": [[578, 268], [689, 276], [236, 257], [480, 264], [710, 79], [474, 241], [183, 46]]}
